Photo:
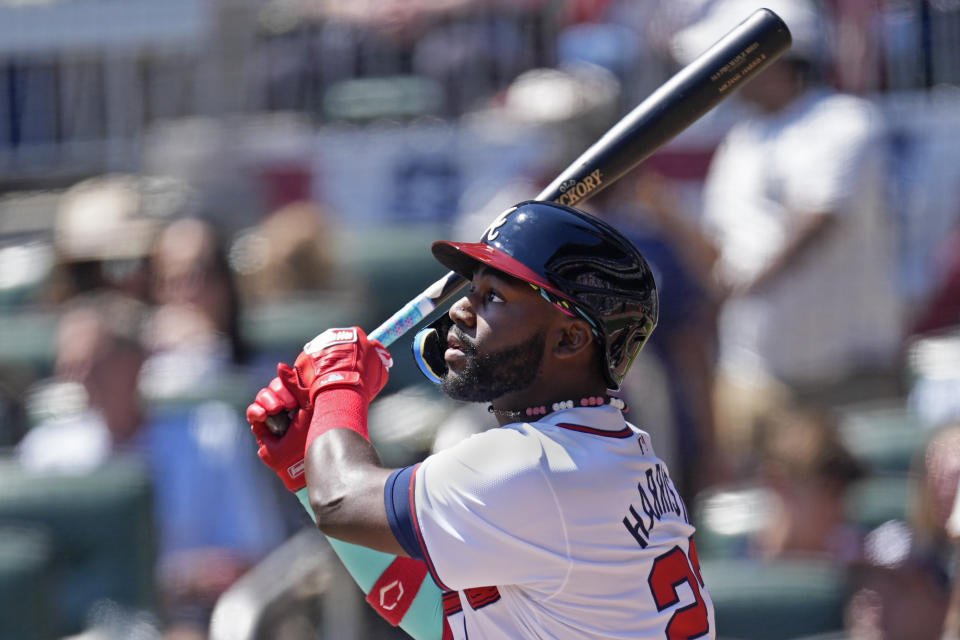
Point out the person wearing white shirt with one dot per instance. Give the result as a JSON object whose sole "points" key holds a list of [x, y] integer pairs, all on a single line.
{"points": [[795, 201]]}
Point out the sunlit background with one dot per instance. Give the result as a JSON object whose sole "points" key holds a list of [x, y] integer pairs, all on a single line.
{"points": [[192, 189]]}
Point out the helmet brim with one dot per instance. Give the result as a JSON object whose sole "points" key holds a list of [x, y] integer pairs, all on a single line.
{"points": [[463, 258]]}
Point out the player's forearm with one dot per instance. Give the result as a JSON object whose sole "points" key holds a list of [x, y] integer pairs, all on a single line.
{"points": [[345, 496], [346, 483]]}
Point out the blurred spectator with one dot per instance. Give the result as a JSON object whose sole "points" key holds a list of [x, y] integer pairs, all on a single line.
{"points": [[897, 591], [936, 513], [795, 202], [193, 332], [901, 586], [951, 627], [209, 494], [289, 254], [98, 348], [187, 355], [857, 65], [190, 268], [808, 471], [104, 229], [938, 477]]}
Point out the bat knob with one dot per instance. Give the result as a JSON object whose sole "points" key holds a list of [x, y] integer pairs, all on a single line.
{"points": [[278, 424]]}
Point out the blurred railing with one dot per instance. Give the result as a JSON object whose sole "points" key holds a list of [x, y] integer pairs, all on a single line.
{"points": [[76, 102], [81, 82]]}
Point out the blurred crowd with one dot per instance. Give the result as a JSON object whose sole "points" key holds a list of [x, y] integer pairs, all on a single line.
{"points": [[803, 383]]}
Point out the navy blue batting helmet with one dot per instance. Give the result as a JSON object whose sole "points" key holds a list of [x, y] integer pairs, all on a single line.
{"points": [[576, 261]]}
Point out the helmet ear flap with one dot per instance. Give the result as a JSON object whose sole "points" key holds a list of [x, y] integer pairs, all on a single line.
{"points": [[429, 345]]}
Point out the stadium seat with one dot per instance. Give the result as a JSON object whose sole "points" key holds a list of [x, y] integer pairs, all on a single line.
{"points": [[886, 436], [26, 567], [774, 600], [101, 535], [283, 327], [26, 339], [877, 499]]}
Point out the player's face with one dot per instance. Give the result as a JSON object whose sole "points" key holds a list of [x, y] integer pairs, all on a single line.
{"points": [[496, 345]]}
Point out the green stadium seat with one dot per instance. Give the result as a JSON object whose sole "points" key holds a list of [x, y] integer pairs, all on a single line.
{"points": [[774, 600], [26, 339], [101, 534], [886, 436], [396, 264], [286, 326], [878, 499], [26, 567]]}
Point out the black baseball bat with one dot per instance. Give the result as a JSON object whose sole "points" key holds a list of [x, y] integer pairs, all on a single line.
{"points": [[733, 60]]}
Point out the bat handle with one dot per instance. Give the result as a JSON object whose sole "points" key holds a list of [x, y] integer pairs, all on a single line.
{"points": [[406, 318], [278, 424], [417, 309]]}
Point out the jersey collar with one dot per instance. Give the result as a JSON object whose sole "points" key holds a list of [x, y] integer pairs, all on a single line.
{"points": [[605, 420]]}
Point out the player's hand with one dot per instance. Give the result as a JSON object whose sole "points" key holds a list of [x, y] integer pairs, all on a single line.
{"points": [[284, 454], [343, 358]]}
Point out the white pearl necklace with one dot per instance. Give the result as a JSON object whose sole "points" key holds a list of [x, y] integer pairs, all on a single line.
{"points": [[589, 401]]}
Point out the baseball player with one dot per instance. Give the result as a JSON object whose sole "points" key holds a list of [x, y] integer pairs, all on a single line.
{"points": [[562, 522]]}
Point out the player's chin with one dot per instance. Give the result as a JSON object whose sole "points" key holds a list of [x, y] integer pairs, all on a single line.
{"points": [[454, 377], [462, 386]]}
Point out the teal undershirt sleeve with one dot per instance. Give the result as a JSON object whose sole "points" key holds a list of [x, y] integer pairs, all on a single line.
{"points": [[424, 620]]}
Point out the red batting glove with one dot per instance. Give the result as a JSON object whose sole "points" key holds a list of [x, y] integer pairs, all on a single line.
{"points": [[344, 371], [284, 454], [343, 365], [343, 358]]}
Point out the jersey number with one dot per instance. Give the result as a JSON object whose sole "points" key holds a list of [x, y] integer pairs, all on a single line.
{"points": [[669, 571]]}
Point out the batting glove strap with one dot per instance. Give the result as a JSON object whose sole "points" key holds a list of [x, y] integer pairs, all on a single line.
{"points": [[339, 408]]}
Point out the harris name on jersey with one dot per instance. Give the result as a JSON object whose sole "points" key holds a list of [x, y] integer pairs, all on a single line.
{"points": [[658, 497]]}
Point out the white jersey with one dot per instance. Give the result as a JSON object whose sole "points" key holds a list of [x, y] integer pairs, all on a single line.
{"points": [[569, 527]]}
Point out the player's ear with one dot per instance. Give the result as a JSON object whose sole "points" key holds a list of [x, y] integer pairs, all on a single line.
{"points": [[574, 338]]}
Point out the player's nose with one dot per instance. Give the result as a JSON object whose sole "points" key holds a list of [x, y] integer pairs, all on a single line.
{"points": [[462, 313]]}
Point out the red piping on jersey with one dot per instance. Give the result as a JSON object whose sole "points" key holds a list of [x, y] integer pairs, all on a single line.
{"points": [[626, 432], [416, 527], [451, 607], [479, 597], [451, 603]]}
